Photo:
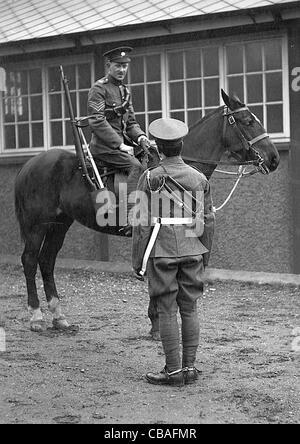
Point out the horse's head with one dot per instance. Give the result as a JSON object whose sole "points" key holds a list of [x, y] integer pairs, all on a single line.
{"points": [[245, 137]]}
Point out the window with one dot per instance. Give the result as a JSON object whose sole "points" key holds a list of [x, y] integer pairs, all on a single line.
{"points": [[33, 108], [23, 109], [193, 83], [146, 87], [79, 79], [186, 83], [254, 71]]}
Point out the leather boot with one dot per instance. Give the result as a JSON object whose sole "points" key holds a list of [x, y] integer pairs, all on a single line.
{"points": [[165, 378], [191, 375]]}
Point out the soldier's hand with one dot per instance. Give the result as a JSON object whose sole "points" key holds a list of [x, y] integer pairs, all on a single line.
{"points": [[138, 276], [144, 142], [127, 149]]}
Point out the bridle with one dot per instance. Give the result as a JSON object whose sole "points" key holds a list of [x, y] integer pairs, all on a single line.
{"points": [[248, 145]]}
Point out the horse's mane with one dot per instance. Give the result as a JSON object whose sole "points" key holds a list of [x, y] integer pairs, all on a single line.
{"points": [[206, 117]]}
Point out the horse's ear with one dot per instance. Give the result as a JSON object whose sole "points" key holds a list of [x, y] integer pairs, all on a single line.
{"points": [[232, 102], [226, 98]]}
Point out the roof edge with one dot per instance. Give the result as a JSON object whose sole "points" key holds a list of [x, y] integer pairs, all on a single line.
{"points": [[250, 16]]}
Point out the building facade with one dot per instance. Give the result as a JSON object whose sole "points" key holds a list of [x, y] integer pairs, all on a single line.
{"points": [[178, 69]]}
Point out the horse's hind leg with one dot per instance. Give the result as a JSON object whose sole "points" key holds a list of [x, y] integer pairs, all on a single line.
{"points": [[30, 255], [53, 243]]}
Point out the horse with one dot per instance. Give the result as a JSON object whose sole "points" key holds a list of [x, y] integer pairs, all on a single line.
{"points": [[51, 193]]}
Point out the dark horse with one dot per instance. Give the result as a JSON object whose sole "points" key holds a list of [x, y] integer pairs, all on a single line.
{"points": [[50, 192]]}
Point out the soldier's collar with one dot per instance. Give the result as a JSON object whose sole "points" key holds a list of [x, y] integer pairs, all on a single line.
{"points": [[172, 160]]}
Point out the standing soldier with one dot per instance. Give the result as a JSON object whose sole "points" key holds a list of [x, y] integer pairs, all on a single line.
{"points": [[178, 248], [112, 120]]}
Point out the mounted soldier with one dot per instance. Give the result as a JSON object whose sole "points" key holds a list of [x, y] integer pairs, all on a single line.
{"points": [[173, 242], [112, 120]]}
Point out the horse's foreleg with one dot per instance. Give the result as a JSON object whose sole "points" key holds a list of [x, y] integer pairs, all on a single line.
{"points": [[30, 261], [52, 245]]}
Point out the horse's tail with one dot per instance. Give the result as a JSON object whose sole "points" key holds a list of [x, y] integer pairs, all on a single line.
{"points": [[19, 207]]}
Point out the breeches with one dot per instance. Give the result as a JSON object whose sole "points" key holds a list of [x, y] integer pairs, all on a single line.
{"points": [[176, 283], [123, 162]]}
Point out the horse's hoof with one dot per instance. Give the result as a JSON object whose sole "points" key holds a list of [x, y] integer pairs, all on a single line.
{"points": [[60, 324], [155, 335], [37, 326]]}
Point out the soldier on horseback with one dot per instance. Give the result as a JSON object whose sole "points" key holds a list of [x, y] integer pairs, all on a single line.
{"points": [[114, 127]]}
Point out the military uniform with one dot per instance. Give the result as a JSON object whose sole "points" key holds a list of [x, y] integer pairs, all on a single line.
{"points": [[109, 126], [113, 123], [181, 250]]}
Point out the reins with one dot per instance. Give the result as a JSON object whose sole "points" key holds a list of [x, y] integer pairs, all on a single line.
{"points": [[258, 163]]}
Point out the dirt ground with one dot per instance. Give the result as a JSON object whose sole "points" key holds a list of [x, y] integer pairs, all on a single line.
{"points": [[249, 356]]}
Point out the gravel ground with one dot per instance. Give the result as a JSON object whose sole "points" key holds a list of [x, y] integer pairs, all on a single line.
{"points": [[249, 356]]}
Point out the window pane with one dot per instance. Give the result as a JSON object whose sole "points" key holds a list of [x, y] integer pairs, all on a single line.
{"points": [[37, 108], [254, 57], [258, 112], [83, 98], [236, 87], [141, 120], [10, 137], [211, 61], [55, 106], [22, 109], [84, 76], [255, 89], [74, 106], [211, 88], [154, 97], [54, 80], [37, 135], [35, 78], [235, 63], [153, 68], [22, 82], [273, 54], [56, 134], [275, 119], [154, 116], [193, 63], [194, 94], [138, 98], [137, 70], [178, 116], [175, 65], [69, 134], [23, 131], [10, 109], [70, 73], [274, 87], [193, 117], [176, 95]]}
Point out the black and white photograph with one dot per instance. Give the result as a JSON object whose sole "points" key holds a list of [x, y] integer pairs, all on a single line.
{"points": [[150, 215]]}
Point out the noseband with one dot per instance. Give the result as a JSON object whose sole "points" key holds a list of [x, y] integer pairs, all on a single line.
{"points": [[248, 145]]}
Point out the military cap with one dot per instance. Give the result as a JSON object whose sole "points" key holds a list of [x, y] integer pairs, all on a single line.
{"points": [[168, 130], [119, 55]]}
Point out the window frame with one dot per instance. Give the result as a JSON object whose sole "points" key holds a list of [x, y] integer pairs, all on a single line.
{"points": [[243, 39], [44, 64]]}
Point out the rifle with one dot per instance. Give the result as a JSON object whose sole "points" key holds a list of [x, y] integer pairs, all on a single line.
{"points": [[76, 135], [79, 138]]}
